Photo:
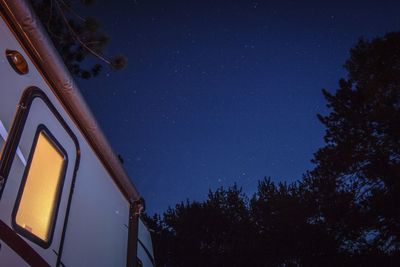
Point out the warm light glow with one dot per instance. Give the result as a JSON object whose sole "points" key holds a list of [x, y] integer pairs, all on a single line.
{"points": [[17, 61], [38, 200]]}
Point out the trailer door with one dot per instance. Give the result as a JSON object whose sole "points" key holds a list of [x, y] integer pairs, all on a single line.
{"points": [[39, 164]]}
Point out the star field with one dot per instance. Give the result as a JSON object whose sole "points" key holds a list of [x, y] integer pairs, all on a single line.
{"points": [[218, 92]]}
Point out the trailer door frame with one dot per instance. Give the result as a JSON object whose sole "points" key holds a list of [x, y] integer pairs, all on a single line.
{"points": [[9, 156]]}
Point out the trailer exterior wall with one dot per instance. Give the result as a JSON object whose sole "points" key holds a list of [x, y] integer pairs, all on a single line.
{"points": [[96, 234], [145, 248], [98, 218], [30, 31]]}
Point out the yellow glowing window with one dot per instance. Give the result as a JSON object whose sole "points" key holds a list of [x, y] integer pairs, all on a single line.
{"points": [[43, 179]]}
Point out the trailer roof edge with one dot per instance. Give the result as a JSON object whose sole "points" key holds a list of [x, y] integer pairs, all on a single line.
{"points": [[35, 40]]}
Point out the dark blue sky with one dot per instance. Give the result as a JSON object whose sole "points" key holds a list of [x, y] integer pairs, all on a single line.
{"points": [[218, 92]]}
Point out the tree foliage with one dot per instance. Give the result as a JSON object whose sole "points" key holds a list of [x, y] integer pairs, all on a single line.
{"points": [[76, 38], [361, 157], [343, 212]]}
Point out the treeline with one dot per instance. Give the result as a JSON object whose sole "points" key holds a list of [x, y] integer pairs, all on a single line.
{"points": [[344, 212]]}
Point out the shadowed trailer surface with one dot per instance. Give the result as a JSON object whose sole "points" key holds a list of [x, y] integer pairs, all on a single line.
{"points": [[70, 202]]}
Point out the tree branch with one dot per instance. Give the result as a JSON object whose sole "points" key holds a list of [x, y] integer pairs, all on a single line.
{"points": [[77, 38]]}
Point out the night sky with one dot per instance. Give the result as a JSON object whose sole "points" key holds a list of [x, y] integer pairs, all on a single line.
{"points": [[218, 92]]}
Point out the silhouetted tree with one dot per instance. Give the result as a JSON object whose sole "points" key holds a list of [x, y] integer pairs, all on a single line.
{"points": [[162, 237], [357, 174], [76, 37], [288, 232], [211, 233], [275, 228], [344, 212]]}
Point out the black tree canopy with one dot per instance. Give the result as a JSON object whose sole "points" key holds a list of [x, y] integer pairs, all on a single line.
{"points": [[362, 151], [76, 38], [344, 212]]}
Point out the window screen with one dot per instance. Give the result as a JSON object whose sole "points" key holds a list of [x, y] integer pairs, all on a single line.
{"points": [[43, 179]]}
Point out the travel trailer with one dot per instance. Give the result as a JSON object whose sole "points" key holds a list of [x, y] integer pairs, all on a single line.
{"points": [[65, 199]]}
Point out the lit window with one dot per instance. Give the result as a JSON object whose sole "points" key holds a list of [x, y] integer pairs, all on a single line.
{"points": [[42, 183]]}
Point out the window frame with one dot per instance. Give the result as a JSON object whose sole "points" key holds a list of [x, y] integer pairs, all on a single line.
{"points": [[7, 158], [45, 244]]}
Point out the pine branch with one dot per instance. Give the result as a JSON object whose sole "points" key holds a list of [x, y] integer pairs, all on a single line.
{"points": [[72, 11], [77, 38]]}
